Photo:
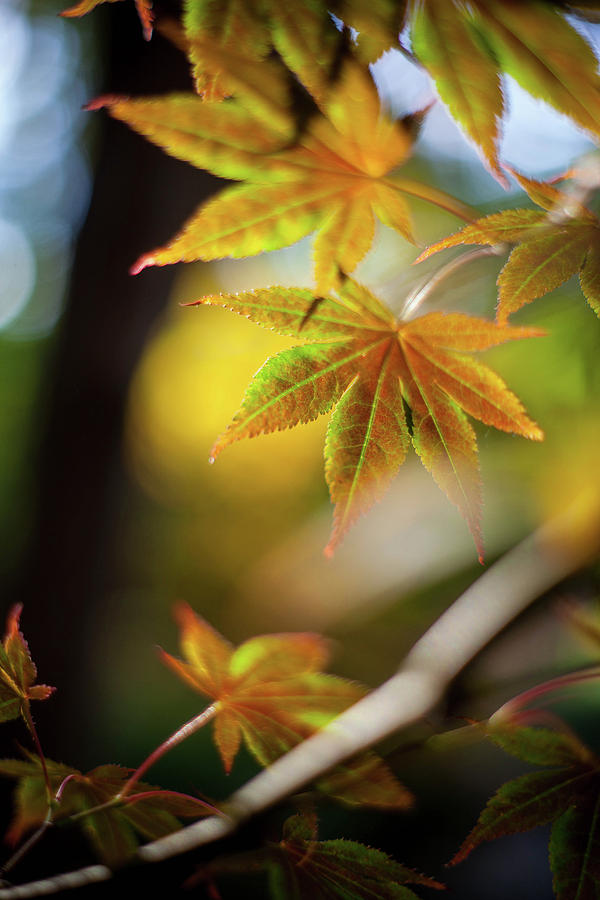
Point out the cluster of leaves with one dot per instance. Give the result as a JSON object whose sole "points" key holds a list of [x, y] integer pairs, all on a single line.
{"points": [[326, 163], [285, 106], [51, 792], [270, 692], [466, 49], [567, 795], [93, 801]]}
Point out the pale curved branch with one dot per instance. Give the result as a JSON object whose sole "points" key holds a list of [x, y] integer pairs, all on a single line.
{"points": [[528, 570]]}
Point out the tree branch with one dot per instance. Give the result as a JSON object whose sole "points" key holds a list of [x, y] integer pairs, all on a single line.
{"points": [[526, 572]]}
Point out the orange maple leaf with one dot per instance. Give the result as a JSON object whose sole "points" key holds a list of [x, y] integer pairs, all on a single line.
{"points": [[367, 364], [331, 173], [270, 693]]}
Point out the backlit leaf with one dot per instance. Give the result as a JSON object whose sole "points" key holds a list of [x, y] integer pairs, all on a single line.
{"points": [[568, 796], [466, 76], [270, 693], [367, 364], [466, 47], [17, 671], [550, 247], [114, 831], [327, 173], [233, 24]]}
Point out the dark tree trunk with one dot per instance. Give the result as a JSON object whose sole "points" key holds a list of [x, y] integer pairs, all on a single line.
{"points": [[140, 198]]}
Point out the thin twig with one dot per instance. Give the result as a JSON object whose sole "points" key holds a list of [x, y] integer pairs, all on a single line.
{"points": [[26, 711], [435, 195], [180, 735], [517, 579], [26, 847], [420, 294]]}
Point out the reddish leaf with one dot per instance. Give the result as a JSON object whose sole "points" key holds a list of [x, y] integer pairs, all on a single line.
{"points": [[367, 364], [112, 831], [17, 671], [270, 693], [551, 247]]}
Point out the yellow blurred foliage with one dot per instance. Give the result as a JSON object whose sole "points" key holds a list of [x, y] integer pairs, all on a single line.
{"points": [[569, 491], [188, 385]]}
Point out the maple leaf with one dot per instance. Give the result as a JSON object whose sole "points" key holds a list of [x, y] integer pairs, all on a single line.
{"points": [[112, 831], [467, 46], [270, 693], [331, 175], [377, 22], [302, 866], [568, 795], [17, 672], [368, 365], [552, 244], [144, 11], [303, 34]]}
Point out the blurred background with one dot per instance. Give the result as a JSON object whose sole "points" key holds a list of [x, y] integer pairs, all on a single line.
{"points": [[112, 395]]}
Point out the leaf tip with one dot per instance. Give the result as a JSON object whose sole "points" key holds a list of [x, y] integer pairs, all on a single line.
{"points": [[142, 263], [12, 620], [329, 550], [460, 855], [216, 449], [40, 692], [101, 102]]}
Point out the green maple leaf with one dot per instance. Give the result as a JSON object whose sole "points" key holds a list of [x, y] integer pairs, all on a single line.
{"points": [[332, 173], [367, 365], [17, 673], [467, 46], [568, 795], [113, 831], [301, 866], [551, 245], [270, 693]]}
